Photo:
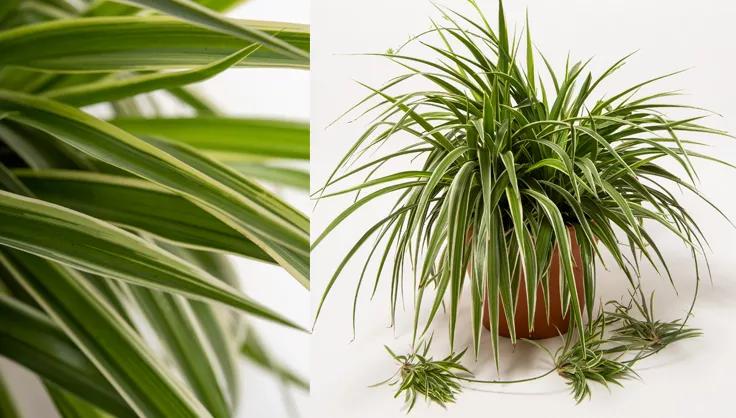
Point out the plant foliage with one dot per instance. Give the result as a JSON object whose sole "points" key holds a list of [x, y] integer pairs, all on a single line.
{"points": [[641, 331], [115, 220], [493, 166], [506, 160], [580, 364]]}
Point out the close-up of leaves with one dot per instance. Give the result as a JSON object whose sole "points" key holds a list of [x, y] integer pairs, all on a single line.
{"points": [[507, 174], [117, 218]]}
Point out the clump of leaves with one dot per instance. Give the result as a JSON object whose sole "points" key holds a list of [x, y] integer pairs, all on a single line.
{"points": [[422, 376], [115, 220], [614, 342], [640, 331], [579, 363]]}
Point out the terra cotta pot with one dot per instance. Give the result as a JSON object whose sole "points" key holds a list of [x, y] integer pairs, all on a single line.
{"points": [[558, 323]]}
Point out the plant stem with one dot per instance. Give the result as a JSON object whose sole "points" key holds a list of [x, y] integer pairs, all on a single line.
{"points": [[528, 379]]}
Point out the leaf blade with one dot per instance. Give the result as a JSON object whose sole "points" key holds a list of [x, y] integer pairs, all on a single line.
{"points": [[124, 43], [99, 248]]}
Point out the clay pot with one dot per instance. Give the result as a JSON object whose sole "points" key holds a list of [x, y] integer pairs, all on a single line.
{"points": [[557, 323]]}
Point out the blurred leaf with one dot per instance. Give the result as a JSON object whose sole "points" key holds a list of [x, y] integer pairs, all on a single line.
{"points": [[273, 225], [202, 16], [255, 352], [32, 340], [179, 332], [272, 174], [140, 205], [239, 136], [7, 405], [70, 406], [130, 210], [103, 336], [36, 226], [109, 90], [7, 7], [137, 43]]}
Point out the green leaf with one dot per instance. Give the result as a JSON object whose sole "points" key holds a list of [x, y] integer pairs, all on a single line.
{"points": [[103, 336], [180, 334], [139, 205], [274, 226], [220, 5], [222, 330], [529, 57], [504, 53], [96, 247], [202, 16], [110, 90], [37, 151], [562, 238], [70, 406], [526, 255], [295, 257], [7, 405], [32, 340], [7, 8], [192, 99], [137, 43], [233, 137], [458, 202]]}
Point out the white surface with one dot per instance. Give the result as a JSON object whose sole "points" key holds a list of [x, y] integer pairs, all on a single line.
{"points": [[692, 378], [278, 93]]}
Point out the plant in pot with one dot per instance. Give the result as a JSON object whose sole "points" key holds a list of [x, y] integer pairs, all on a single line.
{"points": [[116, 215], [511, 184]]}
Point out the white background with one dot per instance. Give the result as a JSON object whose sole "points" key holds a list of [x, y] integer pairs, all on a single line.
{"points": [[692, 378], [278, 93]]}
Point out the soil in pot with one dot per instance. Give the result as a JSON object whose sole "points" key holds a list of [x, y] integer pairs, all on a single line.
{"points": [[557, 324]]}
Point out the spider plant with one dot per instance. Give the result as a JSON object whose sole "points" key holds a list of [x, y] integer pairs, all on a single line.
{"points": [[493, 162], [421, 376], [115, 289]]}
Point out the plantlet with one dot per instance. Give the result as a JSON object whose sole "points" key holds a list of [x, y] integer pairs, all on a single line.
{"points": [[644, 332], [115, 219], [579, 363], [422, 376], [508, 170]]}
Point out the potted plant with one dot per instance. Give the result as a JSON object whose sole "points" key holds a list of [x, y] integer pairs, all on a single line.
{"points": [[511, 184]]}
